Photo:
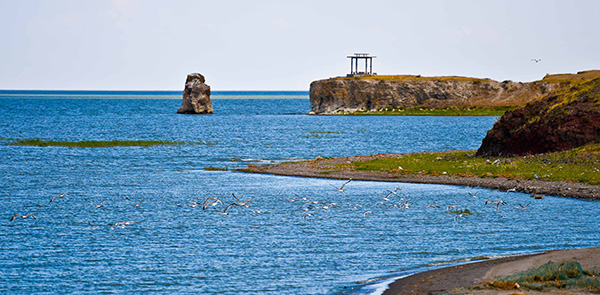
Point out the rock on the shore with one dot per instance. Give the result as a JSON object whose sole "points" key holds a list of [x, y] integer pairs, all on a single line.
{"points": [[196, 96], [344, 94], [564, 119]]}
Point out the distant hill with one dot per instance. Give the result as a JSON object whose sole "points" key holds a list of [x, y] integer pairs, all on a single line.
{"points": [[350, 94], [564, 119]]}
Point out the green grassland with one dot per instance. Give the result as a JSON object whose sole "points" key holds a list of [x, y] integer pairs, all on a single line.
{"points": [[414, 78], [441, 111], [577, 165]]}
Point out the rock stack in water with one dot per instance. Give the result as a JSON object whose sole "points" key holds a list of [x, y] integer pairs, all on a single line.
{"points": [[196, 96]]}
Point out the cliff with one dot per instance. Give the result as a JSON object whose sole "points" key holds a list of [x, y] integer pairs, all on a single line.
{"points": [[343, 94], [565, 119], [196, 96]]}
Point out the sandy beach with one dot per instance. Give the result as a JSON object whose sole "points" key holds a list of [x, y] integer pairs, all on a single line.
{"points": [[459, 279], [330, 168]]}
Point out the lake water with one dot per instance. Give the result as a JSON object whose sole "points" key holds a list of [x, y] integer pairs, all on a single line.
{"points": [[272, 247]]}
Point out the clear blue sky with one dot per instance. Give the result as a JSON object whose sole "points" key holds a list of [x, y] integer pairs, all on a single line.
{"points": [[284, 45]]}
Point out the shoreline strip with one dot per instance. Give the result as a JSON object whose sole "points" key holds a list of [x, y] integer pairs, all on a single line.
{"points": [[322, 168]]}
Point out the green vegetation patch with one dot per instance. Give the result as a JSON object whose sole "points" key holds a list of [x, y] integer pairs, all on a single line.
{"points": [[215, 169], [92, 143], [577, 165], [440, 111], [323, 132], [551, 275], [414, 77], [572, 78]]}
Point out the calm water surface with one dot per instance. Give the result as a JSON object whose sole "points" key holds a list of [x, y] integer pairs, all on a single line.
{"points": [[272, 247]]}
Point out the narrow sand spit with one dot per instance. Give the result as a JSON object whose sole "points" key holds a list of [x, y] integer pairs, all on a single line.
{"points": [[334, 168], [458, 279]]}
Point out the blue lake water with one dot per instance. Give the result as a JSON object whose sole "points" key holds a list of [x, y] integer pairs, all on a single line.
{"points": [[169, 246]]}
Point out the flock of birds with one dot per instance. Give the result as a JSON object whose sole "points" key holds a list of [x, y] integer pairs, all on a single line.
{"points": [[116, 225], [393, 199], [396, 200]]}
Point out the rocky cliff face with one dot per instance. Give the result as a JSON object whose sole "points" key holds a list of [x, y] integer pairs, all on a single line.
{"points": [[565, 119], [342, 94], [196, 96]]}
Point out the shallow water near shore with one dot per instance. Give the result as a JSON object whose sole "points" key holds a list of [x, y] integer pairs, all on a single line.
{"points": [[298, 236]]}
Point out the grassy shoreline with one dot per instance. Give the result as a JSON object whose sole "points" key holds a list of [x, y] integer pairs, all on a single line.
{"points": [[440, 111], [574, 173], [580, 165]]}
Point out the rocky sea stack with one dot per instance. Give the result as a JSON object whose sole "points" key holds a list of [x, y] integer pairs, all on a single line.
{"points": [[196, 96], [567, 118]]}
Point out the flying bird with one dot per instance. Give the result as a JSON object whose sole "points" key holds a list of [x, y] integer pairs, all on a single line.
{"points": [[97, 205], [224, 211], [458, 216], [522, 206], [92, 227], [495, 202], [122, 224], [536, 60], [22, 216], [212, 201], [341, 188], [245, 203], [59, 195], [368, 212], [136, 204]]}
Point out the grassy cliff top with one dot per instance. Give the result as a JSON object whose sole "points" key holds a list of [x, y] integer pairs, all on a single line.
{"points": [[554, 78], [570, 78], [414, 78]]}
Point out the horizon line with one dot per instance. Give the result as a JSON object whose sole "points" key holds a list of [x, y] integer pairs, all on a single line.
{"points": [[257, 90]]}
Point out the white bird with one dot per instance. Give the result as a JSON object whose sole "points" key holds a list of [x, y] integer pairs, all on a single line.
{"points": [[385, 198], [392, 205], [245, 203], [495, 202], [92, 227], [307, 215], [341, 188], [457, 216], [22, 216], [368, 212], [122, 224], [450, 206], [136, 204], [432, 206], [212, 201], [524, 207], [59, 195], [224, 211], [474, 195], [97, 205]]}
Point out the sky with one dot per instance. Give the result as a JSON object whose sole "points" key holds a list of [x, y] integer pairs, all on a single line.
{"points": [[285, 45]]}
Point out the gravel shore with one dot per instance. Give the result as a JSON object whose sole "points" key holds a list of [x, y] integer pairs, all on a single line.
{"points": [[331, 168]]}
